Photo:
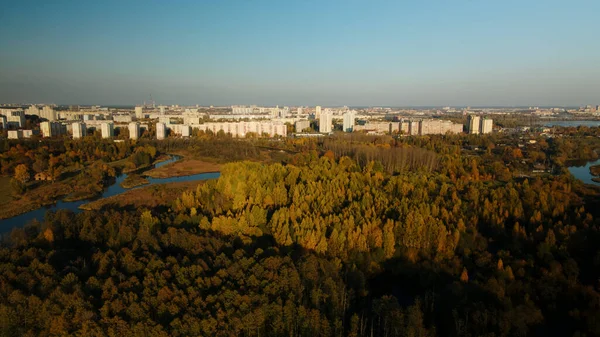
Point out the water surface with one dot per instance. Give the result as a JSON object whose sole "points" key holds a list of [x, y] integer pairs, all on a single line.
{"points": [[114, 189]]}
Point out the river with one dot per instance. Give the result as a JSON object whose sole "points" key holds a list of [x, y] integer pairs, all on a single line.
{"points": [[583, 172], [115, 188], [572, 123]]}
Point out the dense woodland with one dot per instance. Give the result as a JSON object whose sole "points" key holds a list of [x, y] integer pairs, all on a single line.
{"points": [[351, 236]]}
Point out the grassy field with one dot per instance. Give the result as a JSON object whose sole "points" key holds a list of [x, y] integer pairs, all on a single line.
{"points": [[134, 180], [184, 167], [161, 195], [5, 190]]}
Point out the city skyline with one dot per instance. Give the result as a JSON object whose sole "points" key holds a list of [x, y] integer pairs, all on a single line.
{"points": [[539, 53]]}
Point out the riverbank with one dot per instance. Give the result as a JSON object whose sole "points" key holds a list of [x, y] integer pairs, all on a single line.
{"points": [[160, 195], [134, 180], [184, 167], [595, 170]]}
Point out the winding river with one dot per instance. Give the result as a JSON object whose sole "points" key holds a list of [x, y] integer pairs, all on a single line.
{"points": [[583, 172], [115, 188]]}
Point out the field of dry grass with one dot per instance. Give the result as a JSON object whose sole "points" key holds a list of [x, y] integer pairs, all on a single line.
{"points": [[184, 167], [160, 195]]}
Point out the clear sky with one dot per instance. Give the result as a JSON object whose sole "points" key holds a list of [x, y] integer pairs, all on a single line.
{"points": [[218, 52]]}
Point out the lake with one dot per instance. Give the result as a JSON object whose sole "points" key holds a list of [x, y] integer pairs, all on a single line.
{"points": [[572, 123], [583, 172], [6, 225]]}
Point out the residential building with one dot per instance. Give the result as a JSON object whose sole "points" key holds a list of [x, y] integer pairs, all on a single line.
{"points": [[33, 111], [302, 125], [349, 118], [185, 130], [79, 130], [318, 112], [162, 109], [3, 121], [473, 123], [134, 130], [51, 129], [28, 133], [139, 112], [48, 113], [161, 130], [325, 121], [15, 134], [486, 126], [107, 129]]}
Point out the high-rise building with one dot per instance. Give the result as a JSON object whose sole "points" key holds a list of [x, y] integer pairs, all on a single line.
{"points": [[14, 118], [4, 122], [32, 110], [302, 125], [48, 113], [161, 131], [162, 109], [318, 112], [139, 112], [325, 121], [473, 124], [108, 130], [349, 117], [300, 110], [186, 130], [486, 126], [51, 129], [134, 130], [79, 130]]}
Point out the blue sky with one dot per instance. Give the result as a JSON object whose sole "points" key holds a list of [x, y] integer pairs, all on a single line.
{"points": [[399, 53]]}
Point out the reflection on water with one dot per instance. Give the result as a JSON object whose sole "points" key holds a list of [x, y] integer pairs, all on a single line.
{"points": [[20, 220], [581, 171]]}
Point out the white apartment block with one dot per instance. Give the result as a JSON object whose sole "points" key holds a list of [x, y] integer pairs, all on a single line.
{"points": [[48, 113], [134, 130], [302, 125], [486, 126], [241, 129], [3, 121], [28, 133], [15, 134], [349, 118], [161, 131], [79, 130], [139, 112], [51, 129], [325, 121], [473, 124], [317, 112], [107, 129]]}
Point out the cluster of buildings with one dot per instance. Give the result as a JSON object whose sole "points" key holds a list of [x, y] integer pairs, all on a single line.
{"points": [[237, 120], [479, 125]]}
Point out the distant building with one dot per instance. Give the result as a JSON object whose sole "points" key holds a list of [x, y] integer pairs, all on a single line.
{"points": [[300, 111], [33, 111], [302, 125], [162, 109], [123, 118], [325, 121], [3, 122], [486, 126], [79, 130], [318, 112], [14, 118], [139, 112], [51, 129], [349, 118], [161, 131], [48, 113], [15, 134], [473, 124], [28, 133], [242, 129], [134, 130], [185, 130], [108, 130]]}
